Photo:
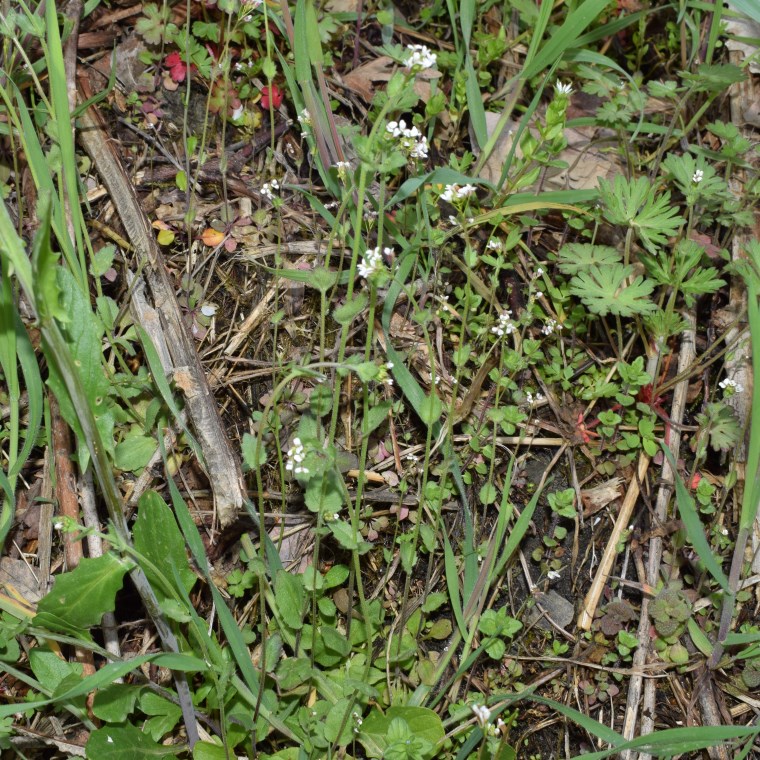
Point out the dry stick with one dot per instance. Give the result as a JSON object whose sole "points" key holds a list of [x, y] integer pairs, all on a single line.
{"points": [[743, 96], [222, 466], [685, 358], [622, 522]]}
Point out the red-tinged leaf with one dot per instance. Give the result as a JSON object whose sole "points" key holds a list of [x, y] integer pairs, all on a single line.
{"points": [[230, 244], [177, 67], [274, 93], [212, 238]]}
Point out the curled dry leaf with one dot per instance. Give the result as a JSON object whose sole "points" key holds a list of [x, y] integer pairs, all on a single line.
{"points": [[364, 79]]}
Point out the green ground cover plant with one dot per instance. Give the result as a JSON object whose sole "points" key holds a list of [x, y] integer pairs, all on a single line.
{"points": [[465, 279]]}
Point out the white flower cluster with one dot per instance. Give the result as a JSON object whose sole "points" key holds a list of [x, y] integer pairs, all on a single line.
{"points": [[410, 138], [493, 244], [373, 261], [453, 193], [533, 400], [420, 57], [698, 176], [482, 714], [269, 189], [550, 326], [505, 325], [731, 385], [304, 118], [296, 455], [385, 375], [563, 89]]}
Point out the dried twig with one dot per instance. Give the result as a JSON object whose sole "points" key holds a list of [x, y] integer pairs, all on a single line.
{"points": [[622, 522], [222, 466]]}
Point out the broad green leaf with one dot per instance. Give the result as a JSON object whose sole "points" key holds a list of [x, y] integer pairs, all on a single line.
{"points": [[339, 727], [289, 597], [430, 410], [209, 751], [83, 333], [421, 721], [164, 714], [324, 493], [320, 278], [125, 742], [50, 668], [115, 702], [102, 261], [81, 596], [158, 538], [345, 535], [347, 312], [47, 290], [134, 452], [254, 452]]}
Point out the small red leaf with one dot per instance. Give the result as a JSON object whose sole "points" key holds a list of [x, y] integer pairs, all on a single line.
{"points": [[276, 95]]}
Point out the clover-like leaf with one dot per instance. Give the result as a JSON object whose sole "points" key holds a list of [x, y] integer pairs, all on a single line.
{"points": [[613, 290]]}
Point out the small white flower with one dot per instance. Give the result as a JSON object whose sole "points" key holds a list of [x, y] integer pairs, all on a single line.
{"points": [[724, 531], [237, 112], [372, 262], [455, 192], [304, 118], [209, 309], [732, 386], [269, 189], [295, 456], [550, 326], [554, 575], [538, 294], [505, 326], [539, 272], [533, 400], [389, 365], [563, 89], [493, 244], [420, 58], [482, 714], [698, 176], [420, 149]]}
